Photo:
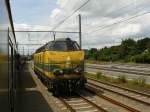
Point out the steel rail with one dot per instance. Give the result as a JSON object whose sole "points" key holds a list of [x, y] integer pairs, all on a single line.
{"points": [[84, 99], [120, 70], [130, 97], [93, 104], [66, 104], [111, 100], [123, 88]]}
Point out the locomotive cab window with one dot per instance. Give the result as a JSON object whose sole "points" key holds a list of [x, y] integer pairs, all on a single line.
{"points": [[60, 46], [64, 46], [73, 46]]}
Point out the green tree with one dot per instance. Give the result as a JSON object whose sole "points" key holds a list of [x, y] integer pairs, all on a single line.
{"points": [[127, 48], [143, 44]]}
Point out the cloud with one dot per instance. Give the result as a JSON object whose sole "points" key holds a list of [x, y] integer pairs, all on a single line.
{"points": [[22, 26], [33, 39], [98, 14], [126, 29], [28, 27], [55, 12], [62, 3], [98, 17]]}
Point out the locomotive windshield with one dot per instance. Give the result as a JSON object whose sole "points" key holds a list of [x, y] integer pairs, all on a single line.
{"points": [[65, 46], [60, 46]]}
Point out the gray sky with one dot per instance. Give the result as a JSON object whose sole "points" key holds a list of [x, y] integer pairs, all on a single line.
{"points": [[99, 20]]}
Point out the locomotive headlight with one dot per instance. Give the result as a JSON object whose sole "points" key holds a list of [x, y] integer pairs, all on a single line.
{"points": [[78, 70], [57, 72]]}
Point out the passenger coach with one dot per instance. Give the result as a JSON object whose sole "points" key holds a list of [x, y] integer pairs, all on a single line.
{"points": [[8, 50]]}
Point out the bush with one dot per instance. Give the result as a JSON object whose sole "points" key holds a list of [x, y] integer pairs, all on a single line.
{"points": [[141, 81], [135, 81], [122, 78], [142, 58]]}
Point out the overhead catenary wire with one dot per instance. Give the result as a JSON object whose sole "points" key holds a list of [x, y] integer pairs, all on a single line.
{"points": [[79, 9], [61, 22], [134, 36], [121, 21], [30, 44], [35, 31], [121, 8], [100, 28], [22, 31]]}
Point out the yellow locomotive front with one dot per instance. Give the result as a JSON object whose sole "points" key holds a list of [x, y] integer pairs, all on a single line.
{"points": [[62, 65]]}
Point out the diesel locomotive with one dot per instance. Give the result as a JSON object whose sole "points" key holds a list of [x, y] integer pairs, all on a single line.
{"points": [[60, 65]]}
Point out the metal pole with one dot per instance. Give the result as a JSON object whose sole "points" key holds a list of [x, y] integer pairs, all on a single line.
{"points": [[28, 51], [80, 40], [23, 50], [54, 36]]}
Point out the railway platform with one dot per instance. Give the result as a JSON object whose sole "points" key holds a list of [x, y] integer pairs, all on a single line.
{"points": [[31, 95]]}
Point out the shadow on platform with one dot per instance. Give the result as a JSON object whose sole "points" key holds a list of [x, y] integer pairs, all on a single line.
{"points": [[25, 78], [32, 101], [29, 99], [4, 101]]}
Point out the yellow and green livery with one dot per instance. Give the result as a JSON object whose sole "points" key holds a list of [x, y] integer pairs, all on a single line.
{"points": [[60, 65]]}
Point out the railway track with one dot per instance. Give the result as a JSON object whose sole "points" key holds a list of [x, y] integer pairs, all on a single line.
{"points": [[119, 87], [139, 97], [81, 104], [145, 66], [123, 70], [128, 108]]}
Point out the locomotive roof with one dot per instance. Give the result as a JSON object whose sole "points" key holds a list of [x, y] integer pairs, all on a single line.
{"points": [[59, 39], [63, 39]]}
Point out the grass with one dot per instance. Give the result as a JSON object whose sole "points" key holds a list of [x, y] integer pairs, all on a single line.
{"points": [[138, 84], [99, 75], [139, 81], [122, 79]]}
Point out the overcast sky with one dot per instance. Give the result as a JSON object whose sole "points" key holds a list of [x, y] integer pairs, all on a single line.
{"points": [[99, 20]]}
